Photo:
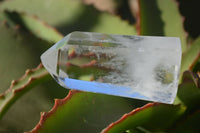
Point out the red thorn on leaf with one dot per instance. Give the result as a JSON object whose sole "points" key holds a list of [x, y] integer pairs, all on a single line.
{"points": [[20, 89], [28, 71], [14, 82], [58, 102], [72, 55], [93, 62]]}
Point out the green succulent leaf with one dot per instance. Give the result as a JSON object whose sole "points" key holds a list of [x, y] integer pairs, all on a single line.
{"points": [[161, 18], [32, 24], [147, 118], [112, 24], [72, 15], [103, 5], [90, 112], [84, 111], [188, 125], [19, 87], [19, 51], [23, 49], [189, 90], [54, 12], [191, 56]]}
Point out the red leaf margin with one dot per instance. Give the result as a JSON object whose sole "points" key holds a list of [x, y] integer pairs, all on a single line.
{"points": [[15, 93], [138, 17], [14, 82], [124, 117], [46, 115]]}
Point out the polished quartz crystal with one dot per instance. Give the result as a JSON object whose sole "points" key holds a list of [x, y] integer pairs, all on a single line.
{"points": [[141, 67]]}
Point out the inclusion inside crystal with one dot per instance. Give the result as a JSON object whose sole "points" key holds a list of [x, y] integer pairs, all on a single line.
{"points": [[141, 67]]}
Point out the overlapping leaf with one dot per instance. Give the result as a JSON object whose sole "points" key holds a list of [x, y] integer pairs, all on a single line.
{"points": [[155, 18], [75, 19], [168, 116], [103, 5], [19, 51], [32, 24], [19, 87], [147, 118], [56, 13], [191, 57], [71, 16], [90, 112], [188, 125], [189, 90]]}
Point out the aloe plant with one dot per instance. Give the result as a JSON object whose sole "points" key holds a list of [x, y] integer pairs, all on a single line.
{"points": [[27, 29]]}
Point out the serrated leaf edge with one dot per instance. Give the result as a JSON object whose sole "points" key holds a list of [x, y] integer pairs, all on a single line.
{"points": [[42, 22], [138, 19], [36, 18], [15, 92], [125, 116], [183, 19], [58, 103]]}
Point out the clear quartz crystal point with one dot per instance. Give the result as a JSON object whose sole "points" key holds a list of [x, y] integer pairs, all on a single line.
{"points": [[141, 67]]}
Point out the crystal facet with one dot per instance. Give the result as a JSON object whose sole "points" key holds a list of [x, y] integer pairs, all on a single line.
{"points": [[141, 67]]}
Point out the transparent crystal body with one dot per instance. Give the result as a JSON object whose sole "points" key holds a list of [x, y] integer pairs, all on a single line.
{"points": [[140, 67]]}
